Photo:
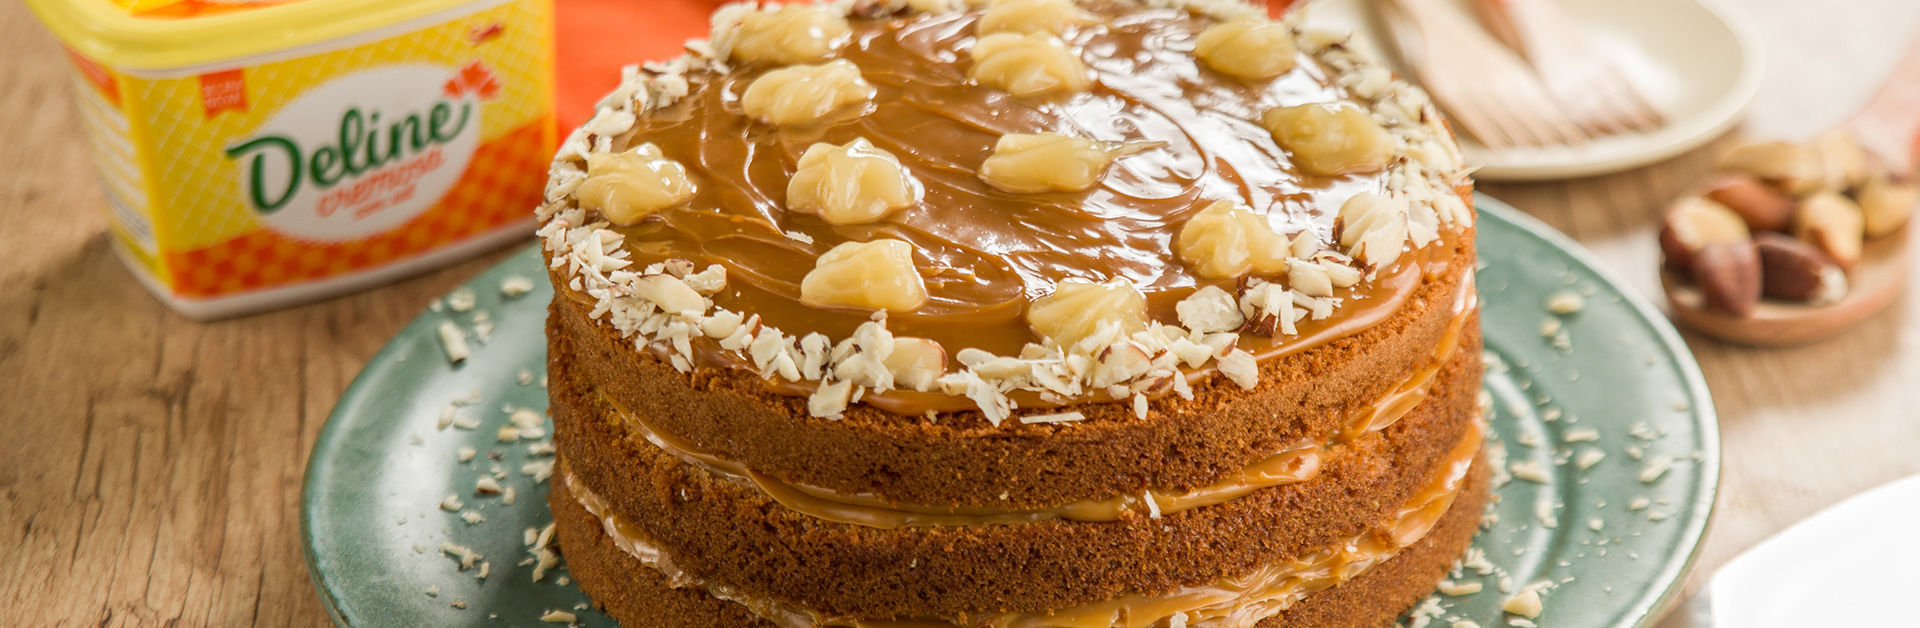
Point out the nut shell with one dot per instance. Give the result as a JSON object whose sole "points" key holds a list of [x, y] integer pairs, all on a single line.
{"points": [[1762, 207], [1793, 270], [1728, 275]]}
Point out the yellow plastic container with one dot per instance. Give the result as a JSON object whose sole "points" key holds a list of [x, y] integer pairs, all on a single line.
{"points": [[257, 154]]}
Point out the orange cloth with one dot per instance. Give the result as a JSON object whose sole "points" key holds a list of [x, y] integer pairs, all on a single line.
{"points": [[596, 37]]}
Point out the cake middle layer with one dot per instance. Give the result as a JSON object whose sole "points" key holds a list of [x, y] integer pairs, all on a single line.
{"points": [[731, 531]]}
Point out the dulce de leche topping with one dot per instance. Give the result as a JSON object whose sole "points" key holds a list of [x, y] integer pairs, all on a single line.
{"points": [[1192, 137]]}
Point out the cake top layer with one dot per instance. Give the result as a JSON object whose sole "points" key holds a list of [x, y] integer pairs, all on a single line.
{"points": [[1075, 201]]}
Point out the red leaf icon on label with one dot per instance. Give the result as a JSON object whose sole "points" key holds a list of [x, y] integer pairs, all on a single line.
{"points": [[474, 79]]}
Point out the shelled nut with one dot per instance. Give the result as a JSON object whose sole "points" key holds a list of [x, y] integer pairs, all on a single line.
{"points": [[629, 186], [791, 33], [1028, 65], [1248, 47], [1887, 203], [877, 275], [1843, 162], [1225, 240], [1047, 162], [1330, 139], [1033, 16], [1793, 270], [1793, 169], [852, 184], [1728, 274], [1834, 224], [1694, 224], [804, 94], [1080, 310], [1762, 207]]}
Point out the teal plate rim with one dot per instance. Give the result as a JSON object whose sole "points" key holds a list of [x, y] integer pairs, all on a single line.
{"points": [[381, 401]]}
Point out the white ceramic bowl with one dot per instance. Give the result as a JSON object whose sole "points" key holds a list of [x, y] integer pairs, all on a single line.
{"points": [[1699, 61]]}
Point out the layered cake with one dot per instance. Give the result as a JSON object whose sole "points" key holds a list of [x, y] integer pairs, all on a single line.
{"points": [[1025, 313]]}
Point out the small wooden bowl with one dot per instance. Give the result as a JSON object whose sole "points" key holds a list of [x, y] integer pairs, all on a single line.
{"points": [[1874, 284]]}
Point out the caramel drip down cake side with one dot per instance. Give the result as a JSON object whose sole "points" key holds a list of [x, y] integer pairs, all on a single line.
{"points": [[924, 295]]}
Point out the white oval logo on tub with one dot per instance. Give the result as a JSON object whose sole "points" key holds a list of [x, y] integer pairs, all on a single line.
{"points": [[364, 153]]}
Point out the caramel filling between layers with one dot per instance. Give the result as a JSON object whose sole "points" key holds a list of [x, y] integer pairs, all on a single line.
{"points": [[1236, 602], [1297, 463]]}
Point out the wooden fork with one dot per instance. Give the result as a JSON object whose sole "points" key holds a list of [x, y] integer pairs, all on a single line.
{"points": [[1482, 84], [1589, 87]]}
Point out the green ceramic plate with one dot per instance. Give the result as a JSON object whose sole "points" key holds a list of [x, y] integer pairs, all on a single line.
{"points": [[1613, 378]]}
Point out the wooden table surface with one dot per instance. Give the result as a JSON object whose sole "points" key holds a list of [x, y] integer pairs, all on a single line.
{"points": [[152, 466]]}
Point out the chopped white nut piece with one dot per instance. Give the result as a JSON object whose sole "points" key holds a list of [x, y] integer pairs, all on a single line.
{"points": [[788, 34], [1063, 417], [854, 184], [804, 94], [1330, 139], [1654, 468], [830, 399], [1248, 47], [1080, 311], [1566, 302], [1456, 589], [486, 485], [1526, 603], [916, 363], [1225, 240], [1596, 524], [1047, 162], [472, 518], [877, 275], [452, 503], [1374, 228], [1581, 435], [1028, 65], [462, 299], [559, 617], [1588, 458], [454, 342], [1309, 278], [1465, 623], [630, 186], [515, 286], [462, 553], [466, 454], [508, 434], [1639, 503], [1531, 471], [1210, 310], [1033, 16], [1240, 367]]}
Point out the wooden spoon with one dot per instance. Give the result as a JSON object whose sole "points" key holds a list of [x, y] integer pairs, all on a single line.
{"points": [[1889, 128]]}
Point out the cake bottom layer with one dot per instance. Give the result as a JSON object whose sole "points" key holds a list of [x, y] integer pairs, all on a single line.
{"points": [[638, 595]]}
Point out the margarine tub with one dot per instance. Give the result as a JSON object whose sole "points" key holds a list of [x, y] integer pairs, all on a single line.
{"points": [[258, 154]]}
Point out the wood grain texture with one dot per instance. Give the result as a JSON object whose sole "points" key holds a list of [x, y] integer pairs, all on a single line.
{"points": [[152, 465]]}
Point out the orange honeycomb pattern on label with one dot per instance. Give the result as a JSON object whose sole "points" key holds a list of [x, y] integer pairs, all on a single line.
{"points": [[504, 182]]}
